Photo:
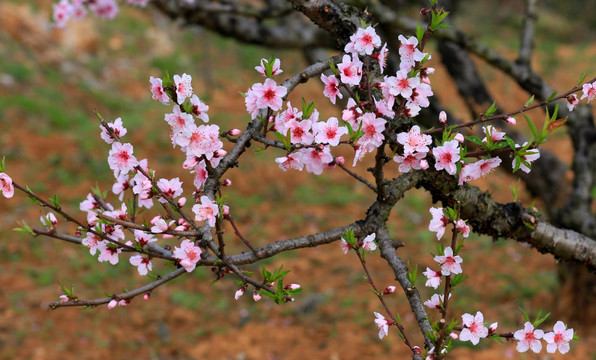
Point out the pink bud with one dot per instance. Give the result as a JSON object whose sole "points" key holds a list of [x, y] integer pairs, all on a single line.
{"points": [[64, 298], [220, 153], [123, 302], [226, 210], [112, 304], [181, 202], [256, 296], [453, 336], [423, 164], [459, 137], [167, 236], [340, 160], [239, 293], [443, 117], [417, 350], [511, 120], [155, 220], [146, 296], [389, 290], [235, 132], [190, 163], [292, 287], [492, 328], [226, 182], [271, 119]]}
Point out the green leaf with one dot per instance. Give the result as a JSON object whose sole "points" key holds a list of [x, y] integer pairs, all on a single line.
{"points": [[54, 201], [474, 139], [491, 110], [284, 140], [539, 320], [332, 67], [531, 125], [581, 79], [458, 279], [419, 33], [2, 164], [510, 142], [24, 228], [524, 314], [307, 109], [552, 96], [413, 275], [531, 100]]}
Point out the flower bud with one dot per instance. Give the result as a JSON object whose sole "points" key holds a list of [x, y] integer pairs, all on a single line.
{"points": [[443, 117], [389, 290], [146, 296], [459, 137], [511, 120], [167, 236], [239, 292], [112, 304], [235, 132], [424, 11], [123, 302], [220, 153], [340, 160], [423, 164], [155, 220], [256, 296], [292, 287], [225, 210], [417, 350], [181, 202], [226, 182]]}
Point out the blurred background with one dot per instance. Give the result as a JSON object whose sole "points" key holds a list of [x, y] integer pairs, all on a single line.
{"points": [[51, 80]]}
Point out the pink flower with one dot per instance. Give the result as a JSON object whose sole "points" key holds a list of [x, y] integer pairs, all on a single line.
{"points": [[382, 325], [572, 101], [495, 134], [250, 100], [350, 70], [183, 87], [121, 185], [439, 222], [144, 238], [381, 57], [420, 95], [106, 9], [529, 156], [528, 338], [373, 128], [121, 159], [447, 156], [206, 211], [474, 328], [117, 127], [413, 141], [6, 186], [143, 264], [199, 140], [315, 159], [486, 166], [62, 13], [239, 293], [157, 91], [329, 132], [108, 252], [409, 161], [178, 120], [558, 339], [351, 113], [401, 84], [91, 241], [300, 132], [188, 255], [345, 246], [385, 107], [369, 242], [449, 264], [276, 69], [363, 42], [331, 87], [269, 95], [589, 91], [436, 301], [199, 108], [160, 226], [289, 161], [433, 278], [170, 188], [409, 52], [463, 228]]}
